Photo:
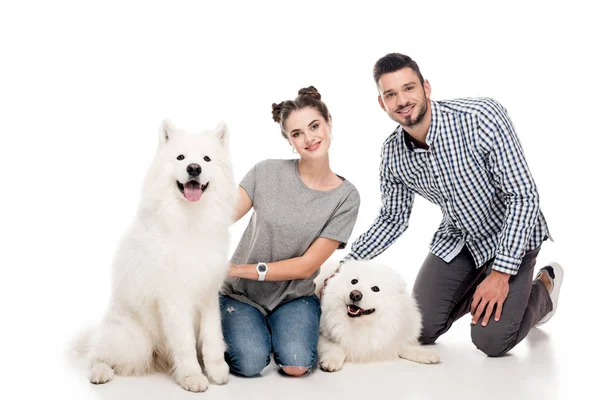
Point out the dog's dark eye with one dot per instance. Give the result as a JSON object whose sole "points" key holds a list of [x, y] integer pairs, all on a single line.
{"points": [[180, 157], [207, 158], [354, 281], [375, 288]]}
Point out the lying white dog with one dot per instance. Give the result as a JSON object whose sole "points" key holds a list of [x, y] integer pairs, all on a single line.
{"points": [[169, 266], [367, 315]]}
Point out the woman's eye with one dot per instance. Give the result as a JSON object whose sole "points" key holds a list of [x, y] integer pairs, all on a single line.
{"points": [[354, 281], [296, 134], [375, 288], [180, 157], [315, 126], [207, 158]]}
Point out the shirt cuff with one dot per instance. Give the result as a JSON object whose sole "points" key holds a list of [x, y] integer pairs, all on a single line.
{"points": [[351, 256], [506, 264]]}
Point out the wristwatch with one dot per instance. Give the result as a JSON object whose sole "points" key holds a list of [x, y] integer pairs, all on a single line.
{"points": [[262, 269]]}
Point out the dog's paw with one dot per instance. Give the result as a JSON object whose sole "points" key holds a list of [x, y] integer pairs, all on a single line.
{"points": [[218, 371], [331, 363], [428, 357], [195, 382], [101, 373], [420, 355]]}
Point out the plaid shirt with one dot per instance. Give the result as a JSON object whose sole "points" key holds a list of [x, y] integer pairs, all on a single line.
{"points": [[475, 170]]}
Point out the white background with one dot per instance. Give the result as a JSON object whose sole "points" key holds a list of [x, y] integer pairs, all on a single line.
{"points": [[84, 86]]}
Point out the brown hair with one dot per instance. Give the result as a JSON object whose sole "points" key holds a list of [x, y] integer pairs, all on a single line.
{"points": [[307, 97], [393, 62]]}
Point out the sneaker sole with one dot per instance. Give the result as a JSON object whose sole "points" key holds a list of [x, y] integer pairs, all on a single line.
{"points": [[558, 274]]}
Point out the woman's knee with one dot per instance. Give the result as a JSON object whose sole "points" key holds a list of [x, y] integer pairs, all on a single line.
{"points": [[296, 359], [249, 363], [295, 371]]}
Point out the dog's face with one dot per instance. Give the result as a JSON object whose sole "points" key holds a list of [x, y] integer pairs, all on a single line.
{"points": [[364, 290], [192, 163]]}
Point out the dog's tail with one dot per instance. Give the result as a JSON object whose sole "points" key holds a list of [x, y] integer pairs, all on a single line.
{"points": [[83, 341]]}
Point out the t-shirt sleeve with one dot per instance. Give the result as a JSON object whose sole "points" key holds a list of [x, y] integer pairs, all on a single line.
{"points": [[249, 182], [341, 224]]}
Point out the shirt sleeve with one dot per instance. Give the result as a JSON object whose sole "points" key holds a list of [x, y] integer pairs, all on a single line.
{"points": [[249, 182], [511, 176], [396, 206], [340, 226]]}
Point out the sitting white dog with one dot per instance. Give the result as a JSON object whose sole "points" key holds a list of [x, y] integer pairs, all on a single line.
{"points": [[367, 315], [169, 265]]}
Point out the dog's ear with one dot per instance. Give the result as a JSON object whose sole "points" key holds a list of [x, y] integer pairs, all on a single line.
{"points": [[222, 133], [167, 131]]}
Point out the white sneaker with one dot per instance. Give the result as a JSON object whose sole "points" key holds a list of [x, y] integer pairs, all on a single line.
{"points": [[555, 273]]}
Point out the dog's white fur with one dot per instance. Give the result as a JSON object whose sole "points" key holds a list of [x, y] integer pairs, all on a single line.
{"points": [[391, 331], [168, 268]]}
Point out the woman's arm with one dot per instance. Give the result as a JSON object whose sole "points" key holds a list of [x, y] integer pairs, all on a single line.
{"points": [[243, 205], [293, 268]]}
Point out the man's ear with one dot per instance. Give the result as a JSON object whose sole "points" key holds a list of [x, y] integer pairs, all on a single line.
{"points": [[381, 104]]}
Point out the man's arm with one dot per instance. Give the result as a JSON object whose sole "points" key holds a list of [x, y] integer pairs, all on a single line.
{"points": [[396, 205], [511, 175]]}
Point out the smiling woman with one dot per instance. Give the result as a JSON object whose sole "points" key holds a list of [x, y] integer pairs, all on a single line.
{"points": [[303, 212]]}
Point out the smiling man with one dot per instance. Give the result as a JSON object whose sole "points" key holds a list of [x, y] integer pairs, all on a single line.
{"points": [[464, 156]]}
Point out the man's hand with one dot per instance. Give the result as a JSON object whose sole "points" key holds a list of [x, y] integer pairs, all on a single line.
{"points": [[491, 292]]}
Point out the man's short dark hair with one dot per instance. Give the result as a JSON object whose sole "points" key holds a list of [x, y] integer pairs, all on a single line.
{"points": [[393, 62]]}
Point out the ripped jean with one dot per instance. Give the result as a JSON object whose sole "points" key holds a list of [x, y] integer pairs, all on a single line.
{"points": [[291, 332]]}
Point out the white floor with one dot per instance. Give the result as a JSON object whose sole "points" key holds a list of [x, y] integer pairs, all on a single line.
{"points": [[543, 366]]}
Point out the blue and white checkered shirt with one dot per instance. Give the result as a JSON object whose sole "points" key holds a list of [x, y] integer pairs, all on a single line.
{"points": [[475, 170]]}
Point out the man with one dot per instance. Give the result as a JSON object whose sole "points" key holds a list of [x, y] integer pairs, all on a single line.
{"points": [[464, 156]]}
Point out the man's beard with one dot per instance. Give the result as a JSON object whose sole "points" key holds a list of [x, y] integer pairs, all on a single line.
{"points": [[409, 122]]}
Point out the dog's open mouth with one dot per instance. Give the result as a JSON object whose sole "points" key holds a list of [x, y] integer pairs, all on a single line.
{"points": [[192, 190], [355, 311]]}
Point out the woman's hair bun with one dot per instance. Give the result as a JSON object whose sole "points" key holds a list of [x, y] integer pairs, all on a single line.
{"points": [[310, 91], [276, 111]]}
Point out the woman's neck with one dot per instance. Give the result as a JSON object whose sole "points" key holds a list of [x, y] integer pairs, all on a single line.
{"points": [[317, 173]]}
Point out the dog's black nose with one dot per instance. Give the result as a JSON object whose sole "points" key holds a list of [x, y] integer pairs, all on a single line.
{"points": [[355, 295], [194, 169]]}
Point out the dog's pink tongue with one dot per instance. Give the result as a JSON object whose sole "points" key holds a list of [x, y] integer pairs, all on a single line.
{"points": [[192, 191]]}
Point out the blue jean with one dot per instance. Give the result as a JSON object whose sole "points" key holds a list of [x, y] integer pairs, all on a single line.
{"points": [[291, 332]]}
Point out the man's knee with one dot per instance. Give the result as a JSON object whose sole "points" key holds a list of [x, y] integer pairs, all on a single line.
{"points": [[492, 342], [428, 336]]}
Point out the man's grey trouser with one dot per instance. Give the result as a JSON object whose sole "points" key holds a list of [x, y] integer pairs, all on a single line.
{"points": [[444, 292]]}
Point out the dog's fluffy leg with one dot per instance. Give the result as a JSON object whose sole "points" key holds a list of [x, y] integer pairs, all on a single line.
{"points": [[178, 327], [213, 345], [418, 354], [120, 345], [331, 355]]}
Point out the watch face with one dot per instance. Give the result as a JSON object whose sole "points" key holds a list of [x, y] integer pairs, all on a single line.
{"points": [[262, 268]]}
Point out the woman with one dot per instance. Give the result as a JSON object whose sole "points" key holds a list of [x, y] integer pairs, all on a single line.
{"points": [[303, 212]]}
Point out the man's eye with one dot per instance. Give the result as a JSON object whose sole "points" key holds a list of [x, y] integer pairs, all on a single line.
{"points": [[390, 95], [409, 88]]}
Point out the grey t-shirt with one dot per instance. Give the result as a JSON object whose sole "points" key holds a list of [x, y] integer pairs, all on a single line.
{"points": [[288, 217]]}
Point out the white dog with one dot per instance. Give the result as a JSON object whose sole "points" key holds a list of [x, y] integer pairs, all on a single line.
{"points": [[169, 266], [367, 315]]}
